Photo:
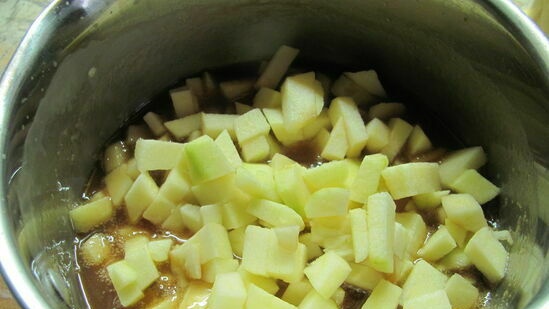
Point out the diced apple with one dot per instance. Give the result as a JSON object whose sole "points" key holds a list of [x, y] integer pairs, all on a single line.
{"points": [[275, 214], [458, 233], [399, 132], [411, 179], [296, 292], [226, 144], [423, 280], [359, 233], [176, 187], [438, 245], [473, 183], [416, 227], [455, 260], [401, 242], [132, 170], [174, 222], [196, 296], [461, 293], [287, 236], [241, 108], [257, 249], [286, 264], [257, 180], [159, 210], [381, 228], [384, 296], [292, 188], [276, 121], [464, 210], [322, 121], [213, 124], [184, 102], [141, 194], [386, 111], [327, 273], [429, 200], [236, 89], [219, 190], [196, 86], [154, 122], [115, 155], [164, 304], [336, 146], [249, 125], [86, 217], [235, 215], [256, 149], [437, 299], [183, 127], [345, 87], [368, 80], [154, 155], [206, 160], [160, 249], [259, 298], [136, 132], [355, 131], [268, 284], [363, 276], [330, 174], [378, 135], [327, 202], [267, 98], [118, 183], [487, 254], [314, 300], [124, 280], [313, 249], [302, 100], [277, 67], [214, 242], [367, 179], [211, 214], [318, 143], [401, 271], [218, 266], [228, 292], [191, 217], [95, 250], [418, 142], [136, 253], [457, 162]]}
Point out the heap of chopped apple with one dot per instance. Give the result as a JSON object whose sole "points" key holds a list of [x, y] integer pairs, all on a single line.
{"points": [[314, 228]]}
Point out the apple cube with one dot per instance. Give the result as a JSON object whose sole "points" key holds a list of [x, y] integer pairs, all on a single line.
{"points": [[241, 108], [438, 245], [196, 86], [345, 87], [275, 214], [211, 214], [322, 121], [213, 124], [267, 98], [381, 231], [384, 296], [136, 253], [422, 280], [461, 293], [228, 292], [429, 200], [115, 155], [336, 146], [327, 202], [386, 111], [236, 89], [455, 260], [191, 217], [367, 179], [363, 276], [437, 299], [487, 254], [218, 190], [249, 125], [214, 242], [92, 214], [473, 183], [282, 133], [268, 284], [401, 271], [378, 135], [157, 155], [160, 249], [314, 300], [256, 149], [296, 292], [416, 227], [327, 273], [457, 162], [135, 132], [359, 233], [183, 127], [226, 144], [257, 180], [464, 210], [355, 131], [329, 174], [124, 280], [176, 187], [132, 170], [258, 244], [259, 298], [174, 222], [458, 233], [369, 81], [291, 187], [418, 142], [287, 236], [95, 250], [400, 130], [218, 266], [206, 160], [313, 248], [154, 122], [184, 102], [320, 140], [159, 210], [277, 67], [236, 237], [196, 295], [411, 179], [285, 264], [141, 194], [235, 215], [302, 100], [401, 242]]}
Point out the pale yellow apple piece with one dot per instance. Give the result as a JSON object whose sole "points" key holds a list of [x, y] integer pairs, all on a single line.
{"points": [[418, 142], [429, 200], [455, 260], [409, 179], [330, 174], [386, 111], [291, 187], [196, 295], [458, 233], [336, 146], [465, 211], [184, 102], [118, 183], [266, 283], [368, 80], [320, 140], [355, 131], [345, 87], [205, 160], [280, 130], [422, 280], [401, 242], [487, 254], [313, 248], [258, 244], [167, 303], [185, 260], [218, 190], [236, 89], [296, 292], [227, 146], [160, 249], [267, 98], [141, 194], [461, 293], [322, 121], [302, 100], [152, 155], [363, 276], [92, 214], [327, 273], [457, 162], [275, 214], [183, 127], [285, 264], [259, 298], [194, 135], [211, 214], [416, 227], [241, 108], [401, 271], [438, 245], [159, 210], [95, 250], [124, 280], [228, 292], [218, 266], [314, 300], [368, 176], [115, 155], [327, 202], [155, 123], [236, 237], [436, 299], [287, 236], [384, 296], [399, 132], [176, 187], [213, 124], [381, 231], [256, 149], [196, 86], [277, 67], [359, 233], [251, 124], [135, 132], [214, 242], [257, 180], [235, 215], [132, 170], [136, 253], [191, 217], [378, 135], [472, 182], [174, 222]]}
